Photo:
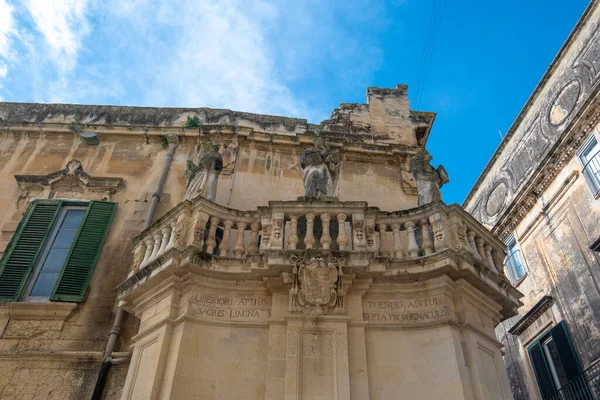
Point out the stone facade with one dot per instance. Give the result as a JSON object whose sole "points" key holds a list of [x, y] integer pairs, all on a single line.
{"points": [[250, 285], [536, 189]]}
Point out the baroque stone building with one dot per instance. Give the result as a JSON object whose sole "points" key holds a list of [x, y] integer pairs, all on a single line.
{"points": [[540, 193], [163, 253]]}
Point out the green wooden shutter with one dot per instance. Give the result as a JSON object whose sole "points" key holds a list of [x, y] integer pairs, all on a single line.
{"points": [[24, 248], [566, 351], [540, 368], [77, 272]]}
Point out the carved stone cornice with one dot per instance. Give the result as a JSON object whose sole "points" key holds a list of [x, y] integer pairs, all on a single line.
{"points": [[532, 315]]}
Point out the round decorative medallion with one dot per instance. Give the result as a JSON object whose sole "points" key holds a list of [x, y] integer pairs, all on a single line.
{"points": [[496, 199], [564, 103]]}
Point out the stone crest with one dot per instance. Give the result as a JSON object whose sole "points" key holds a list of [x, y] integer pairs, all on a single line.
{"points": [[317, 286]]}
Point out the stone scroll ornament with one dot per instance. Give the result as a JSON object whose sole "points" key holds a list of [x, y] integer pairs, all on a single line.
{"points": [[203, 177], [429, 180], [320, 169], [317, 286]]}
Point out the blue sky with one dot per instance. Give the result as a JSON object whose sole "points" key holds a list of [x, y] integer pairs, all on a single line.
{"points": [[293, 58]]}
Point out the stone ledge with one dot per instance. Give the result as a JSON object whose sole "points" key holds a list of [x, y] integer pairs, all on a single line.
{"points": [[82, 356], [37, 311]]}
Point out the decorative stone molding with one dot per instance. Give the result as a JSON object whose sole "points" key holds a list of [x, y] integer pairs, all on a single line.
{"points": [[37, 311], [70, 179]]}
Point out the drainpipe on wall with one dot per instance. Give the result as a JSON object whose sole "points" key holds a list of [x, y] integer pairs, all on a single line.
{"points": [[113, 336]]}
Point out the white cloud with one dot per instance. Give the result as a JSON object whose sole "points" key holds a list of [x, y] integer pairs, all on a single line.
{"points": [[7, 32], [63, 24], [247, 55], [7, 27]]}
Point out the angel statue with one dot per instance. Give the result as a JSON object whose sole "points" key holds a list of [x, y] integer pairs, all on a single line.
{"points": [[202, 178]]}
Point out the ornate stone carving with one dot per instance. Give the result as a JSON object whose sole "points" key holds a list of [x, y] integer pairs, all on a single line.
{"points": [[320, 169], [138, 256], [72, 179], [429, 180], [203, 177], [370, 234], [179, 232], [358, 232], [440, 241], [317, 286]]}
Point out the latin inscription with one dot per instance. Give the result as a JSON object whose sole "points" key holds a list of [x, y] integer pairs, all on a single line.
{"points": [[230, 308], [405, 311]]}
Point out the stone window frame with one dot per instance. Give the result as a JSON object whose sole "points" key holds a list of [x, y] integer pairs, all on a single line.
{"points": [[593, 181]]}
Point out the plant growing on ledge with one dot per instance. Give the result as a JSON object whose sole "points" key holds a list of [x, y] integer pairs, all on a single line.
{"points": [[192, 122], [76, 126], [164, 142]]}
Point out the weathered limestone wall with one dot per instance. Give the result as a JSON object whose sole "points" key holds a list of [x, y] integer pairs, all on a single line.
{"points": [[38, 340], [554, 239], [260, 173], [220, 338], [54, 350]]}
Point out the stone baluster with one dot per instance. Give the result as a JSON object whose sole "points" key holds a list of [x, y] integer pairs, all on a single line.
{"points": [[471, 236], [427, 243], [293, 238], [397, 244], [211, 242], [490, 260], [253, 247], [309, 239], [342, 239], [148, 254], [383, 249], [412, 249], [480, 250], [172, 236], [224, 246], [325, 236], [239, 248], [166, 234], [157, 240]]}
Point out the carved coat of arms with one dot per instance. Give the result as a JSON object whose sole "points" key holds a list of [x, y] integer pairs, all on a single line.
{"points": [[317, 286]]}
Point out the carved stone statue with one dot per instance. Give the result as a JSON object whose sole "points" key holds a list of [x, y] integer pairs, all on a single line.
{"points": [[320, 168], [202, 178], [429, 180]]}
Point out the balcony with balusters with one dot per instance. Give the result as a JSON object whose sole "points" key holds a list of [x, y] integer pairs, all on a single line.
{"points": [[406, 245]]}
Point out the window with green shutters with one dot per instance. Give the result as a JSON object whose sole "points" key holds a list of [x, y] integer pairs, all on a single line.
{"points": [[54, 251], [554, 360]]}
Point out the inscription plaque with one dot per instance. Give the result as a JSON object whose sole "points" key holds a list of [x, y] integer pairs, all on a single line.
{"points": [[230, 307], [404, 311]]}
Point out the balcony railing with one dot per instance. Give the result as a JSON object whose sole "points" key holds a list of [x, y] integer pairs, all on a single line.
{"points": [[591, 170], [585, 387], [311, 224]]}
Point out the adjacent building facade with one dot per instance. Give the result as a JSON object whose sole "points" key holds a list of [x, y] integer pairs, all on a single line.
{"points": [[540, 193], [156, 253]]}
